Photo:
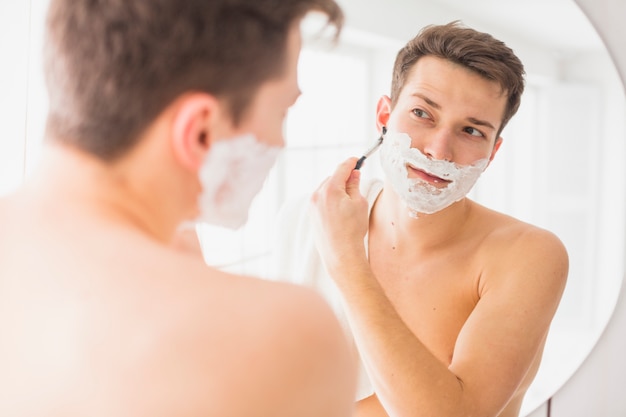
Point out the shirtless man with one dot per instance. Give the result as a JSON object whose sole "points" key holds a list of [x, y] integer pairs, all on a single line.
{"points": [[154, 110], [448, 301]]}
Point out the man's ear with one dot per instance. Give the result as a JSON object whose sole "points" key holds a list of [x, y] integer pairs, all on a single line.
{"points": [[191, 129], [383, 111], [496, 146]]}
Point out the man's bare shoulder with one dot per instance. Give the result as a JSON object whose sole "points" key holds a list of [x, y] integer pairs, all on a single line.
{"points": [[516, 248], [200, 283], [498, 227], [273, 340], [206, 294]]}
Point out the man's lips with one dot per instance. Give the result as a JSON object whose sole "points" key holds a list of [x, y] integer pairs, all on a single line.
{"points": [[425, 176]]}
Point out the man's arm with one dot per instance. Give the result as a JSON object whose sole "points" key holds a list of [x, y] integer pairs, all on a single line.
{"points": [[495, 347]]}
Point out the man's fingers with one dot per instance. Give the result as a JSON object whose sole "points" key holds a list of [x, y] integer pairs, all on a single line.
{"points": [[344, 171], [353, 186], [348, 178], [345, 180]]}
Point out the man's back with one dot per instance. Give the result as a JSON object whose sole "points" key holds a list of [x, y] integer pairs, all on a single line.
{"points": [[98, 319], [148, 129]]}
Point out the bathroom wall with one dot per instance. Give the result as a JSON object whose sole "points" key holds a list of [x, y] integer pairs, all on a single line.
{"points": [[597, 389]]}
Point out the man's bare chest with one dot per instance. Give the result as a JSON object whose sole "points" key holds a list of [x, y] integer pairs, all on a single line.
{"points": [[433, 296]]}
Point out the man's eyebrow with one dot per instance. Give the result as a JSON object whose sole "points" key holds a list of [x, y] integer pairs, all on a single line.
{"points": [[481, 122], [428, 101], [437, 106]]}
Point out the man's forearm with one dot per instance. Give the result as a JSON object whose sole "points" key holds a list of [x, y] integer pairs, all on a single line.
{"points": [[407, 377]]}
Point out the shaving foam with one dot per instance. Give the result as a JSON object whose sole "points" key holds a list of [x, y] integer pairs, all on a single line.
{"points": [[420, 196], [232, 174]]}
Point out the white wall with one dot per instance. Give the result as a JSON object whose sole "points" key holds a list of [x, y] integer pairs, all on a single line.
{"points": [[599, 386], [22, 103]]}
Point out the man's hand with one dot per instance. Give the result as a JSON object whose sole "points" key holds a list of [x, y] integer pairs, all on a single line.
{"points": [[341, 218]]}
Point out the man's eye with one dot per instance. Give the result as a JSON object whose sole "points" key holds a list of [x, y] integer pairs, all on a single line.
{"points": [[420, 113], [473, 132]]}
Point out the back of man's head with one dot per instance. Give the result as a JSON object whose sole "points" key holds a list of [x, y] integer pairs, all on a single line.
{"points": [[112, 66]]}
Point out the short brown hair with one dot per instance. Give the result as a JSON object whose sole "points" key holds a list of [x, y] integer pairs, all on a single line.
{"points": [[477, 51], [112, 66]]}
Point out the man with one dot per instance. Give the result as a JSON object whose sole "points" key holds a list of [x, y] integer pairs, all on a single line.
{"points": [[157, 118], [448, 301]]}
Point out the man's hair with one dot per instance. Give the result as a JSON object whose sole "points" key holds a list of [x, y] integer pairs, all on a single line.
{"points": [[479, 52], [112, 66]]}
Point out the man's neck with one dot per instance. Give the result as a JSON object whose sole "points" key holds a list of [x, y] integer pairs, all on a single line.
{"points": [[110, 192], [391, 221]]}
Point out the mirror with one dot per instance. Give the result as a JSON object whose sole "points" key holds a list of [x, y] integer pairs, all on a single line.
{"points": [[559, 166]]}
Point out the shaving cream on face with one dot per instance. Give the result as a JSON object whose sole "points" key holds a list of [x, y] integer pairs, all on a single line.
{"points": [[232, 174], [420, 196]]}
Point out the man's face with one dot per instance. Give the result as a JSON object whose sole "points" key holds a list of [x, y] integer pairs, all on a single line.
{"points": [[267, 112], [449, 112]]}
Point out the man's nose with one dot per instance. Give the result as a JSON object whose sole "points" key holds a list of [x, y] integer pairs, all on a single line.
{"points": [[438, 145]]}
